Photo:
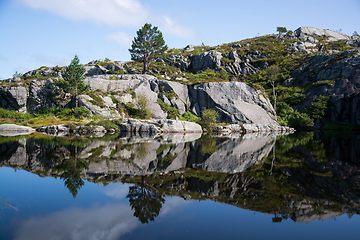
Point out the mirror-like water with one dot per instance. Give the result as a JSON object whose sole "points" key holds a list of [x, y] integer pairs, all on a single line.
{"points": [[299, 186]]}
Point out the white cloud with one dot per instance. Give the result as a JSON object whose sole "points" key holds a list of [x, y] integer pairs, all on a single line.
{"points": [[110, 12], [176, 29], [122, 13], [122, 38]]}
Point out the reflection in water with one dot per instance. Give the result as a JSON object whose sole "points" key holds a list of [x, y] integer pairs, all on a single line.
{"points": [[305, 180], [145, 203], [70, 171], [99, 222]]}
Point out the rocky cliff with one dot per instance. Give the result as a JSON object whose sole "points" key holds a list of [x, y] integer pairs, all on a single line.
{"points": [[235, 102], [314, 62]]}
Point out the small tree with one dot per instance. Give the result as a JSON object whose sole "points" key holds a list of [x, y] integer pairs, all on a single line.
{"points": [[73, 76], [272, 74], [281, 30], [209, 117], [148, 44]]}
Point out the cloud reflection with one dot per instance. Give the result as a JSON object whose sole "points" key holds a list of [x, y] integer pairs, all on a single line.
{"points": [[110, 221], [116, 191], [105, 222]]}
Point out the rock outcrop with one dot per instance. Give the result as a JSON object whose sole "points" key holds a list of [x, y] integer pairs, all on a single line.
{"points": [[235, 102], [206, 60], [311, 33], [337, 76]]}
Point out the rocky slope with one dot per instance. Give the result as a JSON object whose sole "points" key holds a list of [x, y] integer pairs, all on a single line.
{"points": [[316, 61], [236, 102]]}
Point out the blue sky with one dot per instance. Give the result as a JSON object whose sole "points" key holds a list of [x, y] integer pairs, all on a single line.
{"points": [[38, 33]]}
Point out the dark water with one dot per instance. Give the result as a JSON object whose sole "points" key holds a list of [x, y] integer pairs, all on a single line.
{"points": [[300, 186]]}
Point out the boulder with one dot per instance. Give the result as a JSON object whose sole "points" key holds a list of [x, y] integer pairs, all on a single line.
{"points": [[178, 61], [158, 126], [94, 70], [44, 94], [298, 47], [106, 109], [310, 34], [206, 60], [13, 130], [14, 98], [117, 66], [189, 48], [235, 102]]}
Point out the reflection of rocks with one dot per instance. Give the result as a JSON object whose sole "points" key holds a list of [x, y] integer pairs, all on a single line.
{"points": [[138, 154], [314, 190], [231, 155]]}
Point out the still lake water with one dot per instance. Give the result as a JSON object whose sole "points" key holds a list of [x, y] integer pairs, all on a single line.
{"points": [[299, 186]]}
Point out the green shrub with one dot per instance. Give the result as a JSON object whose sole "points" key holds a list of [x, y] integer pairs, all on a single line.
{"points": [[287, 116], [318, 107], [78, 112], [209, 117], [9, 114], [188, 116], [171, 111]]}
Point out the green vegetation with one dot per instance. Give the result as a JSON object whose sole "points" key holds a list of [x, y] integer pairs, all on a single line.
{"points": [[148, 44], [72, 79], [45, 116], [209, 117], [318, 107], [171, 111]]}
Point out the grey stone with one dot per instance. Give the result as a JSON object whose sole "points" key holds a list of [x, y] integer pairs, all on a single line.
{"points": [[178, 61], [143, 88], [108, 110], [94, 70], [308, 34], [206, 60], [117, 66], [13, 130], [189, 48], [235, 102], [236, 45], [14, 98]]}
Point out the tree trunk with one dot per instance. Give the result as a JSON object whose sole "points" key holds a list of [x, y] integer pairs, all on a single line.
{"points": [[76, 100], [145, 65]]}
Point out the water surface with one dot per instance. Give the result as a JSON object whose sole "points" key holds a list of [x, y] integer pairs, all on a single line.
{"points": [[300, 186]]}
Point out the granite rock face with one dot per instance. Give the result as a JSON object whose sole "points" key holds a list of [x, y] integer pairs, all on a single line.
{"points": [[308, 34], [235, 102], [206, 60]]}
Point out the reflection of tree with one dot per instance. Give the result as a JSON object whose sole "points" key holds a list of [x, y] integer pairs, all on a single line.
{"points": [[145, 203], [71, 173], [208, 144]]}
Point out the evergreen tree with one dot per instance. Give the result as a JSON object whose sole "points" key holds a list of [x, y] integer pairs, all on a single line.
{"points": [[148, 44], [281, 30], [73, 76]]}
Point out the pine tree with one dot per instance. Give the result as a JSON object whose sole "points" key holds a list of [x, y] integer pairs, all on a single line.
{"points": [[148, 44], [73, 76]]}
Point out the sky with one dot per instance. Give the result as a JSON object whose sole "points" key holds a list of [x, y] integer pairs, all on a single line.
{"points": [[35, 33]]}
